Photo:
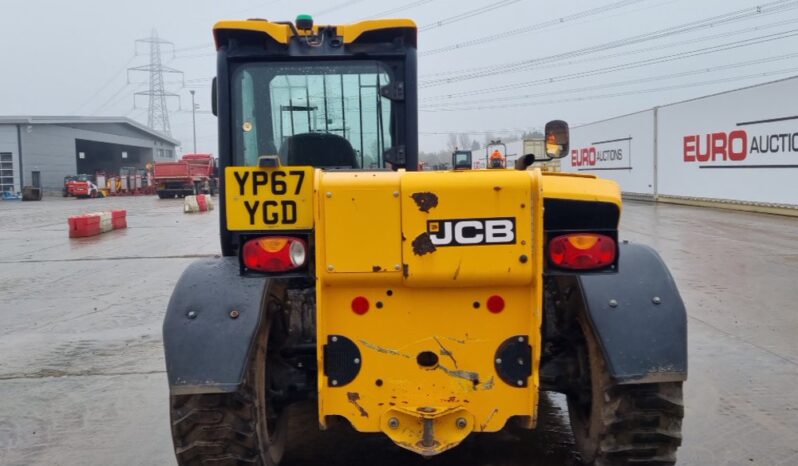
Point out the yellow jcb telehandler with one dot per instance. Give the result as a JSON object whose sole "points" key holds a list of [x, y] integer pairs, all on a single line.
{"points": [[426, 305]]}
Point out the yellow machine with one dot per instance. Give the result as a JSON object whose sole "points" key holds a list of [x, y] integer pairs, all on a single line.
{"points": [[428, 306]]}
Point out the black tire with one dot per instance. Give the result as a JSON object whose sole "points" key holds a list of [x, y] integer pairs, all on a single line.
{"points": [[232, 429], [620, 425]]}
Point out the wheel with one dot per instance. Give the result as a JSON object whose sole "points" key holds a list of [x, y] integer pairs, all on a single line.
{"points": [[162, 195], [620, 425], [235, 428]]}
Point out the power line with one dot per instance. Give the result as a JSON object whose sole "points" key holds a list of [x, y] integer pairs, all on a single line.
{"points": [[604, 58], [736, 32], [105, 85], [118, 97], [634, 64], [519, 98], [617, 94], [336, 7], [113, 96], [530, 28], [398, 9], [521, 65], [468, 14], [194, 47]]}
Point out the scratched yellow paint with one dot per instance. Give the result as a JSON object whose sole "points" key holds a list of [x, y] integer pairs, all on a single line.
{"points": [[448, 316]]}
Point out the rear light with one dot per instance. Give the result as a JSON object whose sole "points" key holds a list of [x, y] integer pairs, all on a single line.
{"points": [[495, 304], [274, 254], [360, 305], [582, 251]]}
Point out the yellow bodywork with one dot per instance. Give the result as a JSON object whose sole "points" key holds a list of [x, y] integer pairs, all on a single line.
{"points": [[366, 224], [282, 32], [370, 231]]}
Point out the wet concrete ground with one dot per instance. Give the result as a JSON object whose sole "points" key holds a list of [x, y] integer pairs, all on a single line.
{"points": [[82, 377]]}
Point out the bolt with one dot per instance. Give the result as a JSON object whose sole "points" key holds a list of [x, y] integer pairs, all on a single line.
{"points": [[520, 383], [397, 267], [393, 423], [329, 194], [357, 360], [334, 339], [656, 300], [498, 360], [613, 303], [461, 423], [234, 314], [520, 361], [299, 365], [330, 268], [520, 339], [523, 258], [191, 314], [396, 194], [334, 383]]}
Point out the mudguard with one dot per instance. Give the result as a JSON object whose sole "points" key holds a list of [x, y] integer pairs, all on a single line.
{"points": [[210, 326], [638, 317]]}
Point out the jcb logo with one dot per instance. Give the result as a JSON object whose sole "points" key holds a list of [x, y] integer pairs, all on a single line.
{"points": [[472, 231]]}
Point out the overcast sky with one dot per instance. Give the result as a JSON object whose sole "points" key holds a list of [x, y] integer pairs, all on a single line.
{"points": [[506, 64]]}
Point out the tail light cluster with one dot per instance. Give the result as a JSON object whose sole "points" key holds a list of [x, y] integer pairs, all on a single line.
{"points": [[274, 254], [582, 251]]}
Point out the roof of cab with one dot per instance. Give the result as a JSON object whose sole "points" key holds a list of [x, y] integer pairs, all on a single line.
{"points": [[282, 33]]}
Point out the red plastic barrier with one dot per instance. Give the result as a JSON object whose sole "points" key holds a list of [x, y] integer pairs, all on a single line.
{"points": [[203, 203], [84, 225], [91, 224]]}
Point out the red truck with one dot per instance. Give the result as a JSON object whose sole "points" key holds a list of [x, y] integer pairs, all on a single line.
{"points": [[192, 174]]}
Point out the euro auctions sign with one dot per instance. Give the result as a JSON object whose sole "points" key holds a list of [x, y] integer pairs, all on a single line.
{"points": [[771, 143], [614, 154]]}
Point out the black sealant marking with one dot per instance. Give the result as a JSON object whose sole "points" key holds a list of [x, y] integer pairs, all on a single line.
{"points": [[425, 201], [423, 245]]}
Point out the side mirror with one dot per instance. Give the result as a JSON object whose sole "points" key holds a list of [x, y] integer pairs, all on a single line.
{"points": [[213, 97], [557, 139]]}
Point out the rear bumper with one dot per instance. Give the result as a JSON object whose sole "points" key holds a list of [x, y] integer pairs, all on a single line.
{"points": [[484, 368]]}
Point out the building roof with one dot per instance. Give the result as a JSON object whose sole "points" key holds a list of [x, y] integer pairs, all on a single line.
{"points": [[77, 120]]}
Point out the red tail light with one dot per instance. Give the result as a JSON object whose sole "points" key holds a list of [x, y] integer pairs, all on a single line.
{"points": [[495, 304], [360, 305], [582, 251], [274, 254]]}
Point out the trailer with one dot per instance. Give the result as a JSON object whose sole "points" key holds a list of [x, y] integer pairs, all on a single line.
{"points": [[192, 174]]}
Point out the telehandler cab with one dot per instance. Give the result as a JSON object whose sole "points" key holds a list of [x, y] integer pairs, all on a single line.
{"points": [[424, 305]]}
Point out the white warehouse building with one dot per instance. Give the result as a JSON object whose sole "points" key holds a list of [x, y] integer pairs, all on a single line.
{"points": [[738, 147]]}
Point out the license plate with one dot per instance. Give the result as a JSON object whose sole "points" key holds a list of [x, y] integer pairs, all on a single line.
{"points": [[258, 198]]}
